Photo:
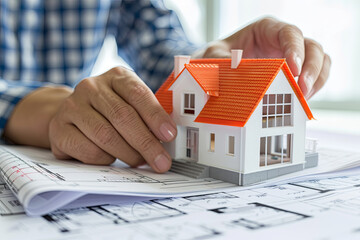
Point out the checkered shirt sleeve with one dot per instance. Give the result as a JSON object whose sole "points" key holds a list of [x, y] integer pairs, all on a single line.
{"points": [[57, 42], [149, 36]]}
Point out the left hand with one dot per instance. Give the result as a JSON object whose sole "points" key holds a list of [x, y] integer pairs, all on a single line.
{"points": [[270, 38]]}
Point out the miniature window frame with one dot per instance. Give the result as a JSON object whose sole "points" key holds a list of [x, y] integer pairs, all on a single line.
{"points": [[280, 146], [212, 143], [277, 110], [188, 147], [231, 145], [189, 103]]}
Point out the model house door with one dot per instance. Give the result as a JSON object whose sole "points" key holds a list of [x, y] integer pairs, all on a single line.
{"points": [[192, 144]]}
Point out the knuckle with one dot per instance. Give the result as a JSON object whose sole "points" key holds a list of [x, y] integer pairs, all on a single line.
{"points": [[289, 29], [314, 45], [117, 70], [104, 133], [122, 114], [138, 93], [155, 114], [87, 84], [146, 143], [267, 20]]}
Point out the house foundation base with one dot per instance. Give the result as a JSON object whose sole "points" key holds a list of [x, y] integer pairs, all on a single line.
{"points": [[196, 170]]}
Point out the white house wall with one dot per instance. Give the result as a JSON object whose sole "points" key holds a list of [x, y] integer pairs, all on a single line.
{"points": [[253, 130], [219, 157], [177, 149], [184, 84]]}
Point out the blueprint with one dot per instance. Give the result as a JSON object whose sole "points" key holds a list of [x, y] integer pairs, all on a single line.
{"points": [[9, 204], [43, 184], [322, 206], [323, 209]]}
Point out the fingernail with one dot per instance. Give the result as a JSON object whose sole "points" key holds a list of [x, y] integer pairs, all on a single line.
{"points": [[167, 131], [162, 163], [298, 64]]}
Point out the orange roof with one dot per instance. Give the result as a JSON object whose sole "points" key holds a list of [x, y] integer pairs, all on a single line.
{"points": [[164, 96], [207, 75], [239, 90]]}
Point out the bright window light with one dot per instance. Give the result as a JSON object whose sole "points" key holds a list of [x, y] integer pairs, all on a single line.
{"points": [[334, 24]]}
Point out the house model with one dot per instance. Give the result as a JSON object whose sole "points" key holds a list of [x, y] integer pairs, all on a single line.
{"points": [[238, 120]]}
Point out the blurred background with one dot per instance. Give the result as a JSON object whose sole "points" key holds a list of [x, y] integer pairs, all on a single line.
{"points": [[334, 24]]}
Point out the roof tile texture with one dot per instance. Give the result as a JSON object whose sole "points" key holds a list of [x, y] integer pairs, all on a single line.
{"points": [[234, 93]]}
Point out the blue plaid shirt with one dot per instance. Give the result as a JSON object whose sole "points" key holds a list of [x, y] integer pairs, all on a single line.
{"points": [[57, 41]]}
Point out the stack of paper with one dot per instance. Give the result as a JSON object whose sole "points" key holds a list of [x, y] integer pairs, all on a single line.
{"points": [[43, 184]]}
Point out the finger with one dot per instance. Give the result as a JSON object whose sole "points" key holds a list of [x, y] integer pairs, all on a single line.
{"points": [[130, 87], [313, 64], [218, 49], [95, 127], [70, 142], [324, 74], [291, 42], [128, 123], [270, 34]]}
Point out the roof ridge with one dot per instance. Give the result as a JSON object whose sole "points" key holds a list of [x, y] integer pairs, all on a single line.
{"points": [[196, 60], [202, 64]]}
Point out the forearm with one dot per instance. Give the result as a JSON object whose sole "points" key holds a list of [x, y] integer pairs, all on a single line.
{"points": [[29, 122]]}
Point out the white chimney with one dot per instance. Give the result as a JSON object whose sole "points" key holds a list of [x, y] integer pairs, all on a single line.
{"points": [[236, 55], [179, 63]]}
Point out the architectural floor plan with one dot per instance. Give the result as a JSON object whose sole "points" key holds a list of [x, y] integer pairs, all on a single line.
{"points": [[43, 184], [320, 205], [252, 212]]}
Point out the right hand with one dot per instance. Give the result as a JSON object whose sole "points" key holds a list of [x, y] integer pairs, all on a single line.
{"points": [[114, 115], [271, 38]]}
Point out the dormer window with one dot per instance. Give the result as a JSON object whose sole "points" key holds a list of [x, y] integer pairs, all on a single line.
{"points": [[189, 103]]}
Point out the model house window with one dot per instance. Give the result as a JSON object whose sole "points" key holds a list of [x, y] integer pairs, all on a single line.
{"points": [[275, 149], [212, 142], [276, 110], [189, 103], [231, 141], [188, 144], [192, 143]]}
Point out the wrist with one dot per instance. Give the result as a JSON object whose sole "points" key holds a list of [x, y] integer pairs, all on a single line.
{"points": [[29, 121]]}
